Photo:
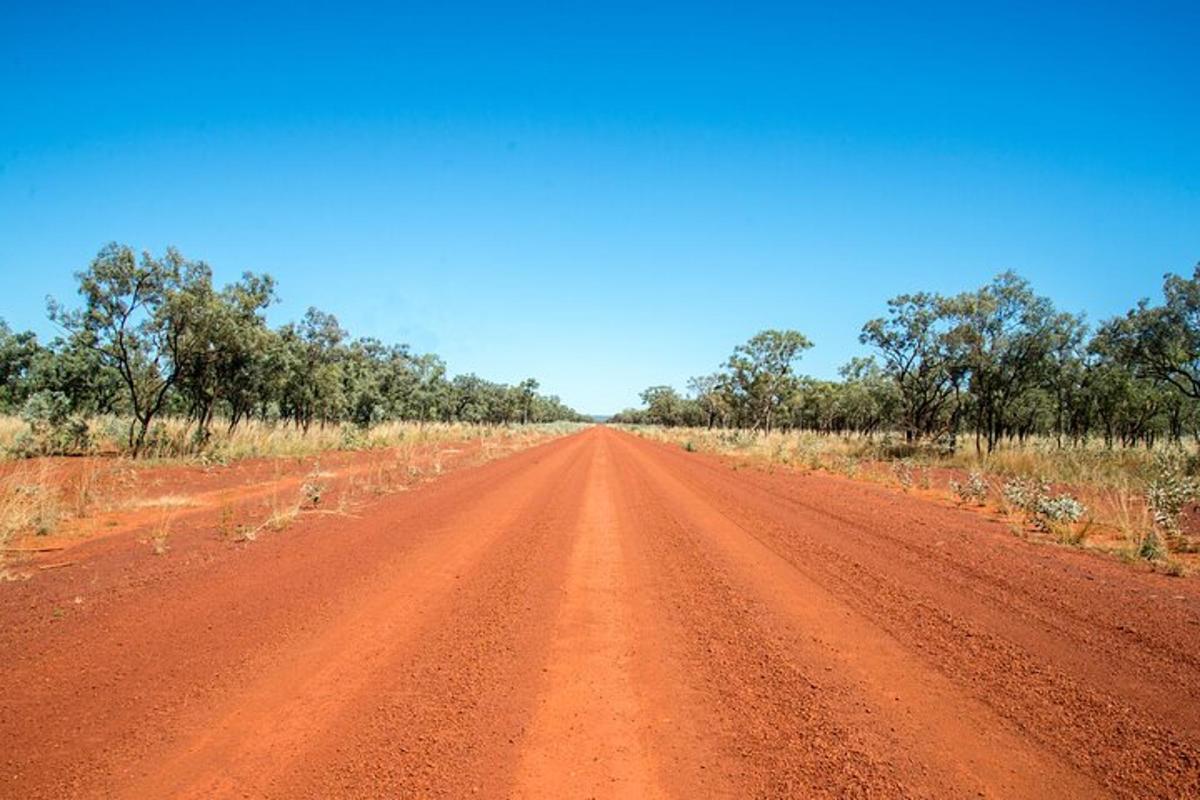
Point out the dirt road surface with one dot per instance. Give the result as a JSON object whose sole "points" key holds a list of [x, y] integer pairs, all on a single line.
{"points": [[602, 616]]}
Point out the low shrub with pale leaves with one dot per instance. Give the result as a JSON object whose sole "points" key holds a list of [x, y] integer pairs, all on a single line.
{"points": [[973, 490]]}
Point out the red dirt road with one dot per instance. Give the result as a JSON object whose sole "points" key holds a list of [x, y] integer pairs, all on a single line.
{"points": [[602, 616]]}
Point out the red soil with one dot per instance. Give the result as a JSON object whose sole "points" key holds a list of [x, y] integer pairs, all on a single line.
{"points": [[602, 616], [98, 496]]}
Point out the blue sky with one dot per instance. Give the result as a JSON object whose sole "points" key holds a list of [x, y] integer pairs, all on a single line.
{"points": [[611, 195]]}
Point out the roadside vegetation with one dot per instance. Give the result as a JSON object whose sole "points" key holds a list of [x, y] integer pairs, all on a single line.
{"points": [[154, 360], [68, 499], [155, 365], [1006, 400]]}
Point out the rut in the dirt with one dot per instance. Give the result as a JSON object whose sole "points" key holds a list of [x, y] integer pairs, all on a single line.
{"points": [[603, 616]]}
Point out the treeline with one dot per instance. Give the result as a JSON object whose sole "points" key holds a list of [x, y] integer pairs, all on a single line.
{"points": [[999, 363], [153, 337]]}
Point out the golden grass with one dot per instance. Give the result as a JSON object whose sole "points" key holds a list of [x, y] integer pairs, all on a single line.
{"points": [[1086, 465], [38, 494], [1112, 483], [28, 502], [173, 438]]}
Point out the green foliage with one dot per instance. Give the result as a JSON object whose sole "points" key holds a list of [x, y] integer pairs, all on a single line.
{"points": [[973, 490], [153, 336], [1044, 509], [1163, 342], [760, 374], [1169, 489], [53, 429], [1000, 363], [18, 354]]}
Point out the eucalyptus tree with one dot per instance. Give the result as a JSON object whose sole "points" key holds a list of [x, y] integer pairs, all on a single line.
{"points": [[664, 406], [761, 374], [1163, 342], [313, 352], [19, 353], [1003, 334], [222, 356], [528, 389], [711, 397], [917, 353], [77, 372], [135, 318], [868, 397]]}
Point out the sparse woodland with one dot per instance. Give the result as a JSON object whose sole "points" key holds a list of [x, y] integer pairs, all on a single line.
{"points": [[975, 370], [151, 339]]}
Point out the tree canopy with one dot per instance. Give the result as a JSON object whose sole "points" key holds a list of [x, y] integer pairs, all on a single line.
{"points": [[1000, 362], [151, 335]]}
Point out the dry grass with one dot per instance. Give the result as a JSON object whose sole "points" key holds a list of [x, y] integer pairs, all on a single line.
{"points": [[29, 501], [1086, 465], [173, 439], [1112, 482], [37, 495]]}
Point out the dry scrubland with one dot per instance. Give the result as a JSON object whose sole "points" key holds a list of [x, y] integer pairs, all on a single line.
{"points": [[51, 496], [1137, 503]]}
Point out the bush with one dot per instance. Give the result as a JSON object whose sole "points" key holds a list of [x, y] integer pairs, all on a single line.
{"points": [[974, 490], [53, 429], [1054, 512], [1046, 511], [1169, 490], [1024, 494]]}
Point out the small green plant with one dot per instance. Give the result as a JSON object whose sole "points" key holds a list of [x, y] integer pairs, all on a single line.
{"points": [[902, 471], [689, 446], [1169, 490], [354, 437], [924, 479], [1046, 511], [53, 429], [973, 490], [1023, 494], [1054, 512], [313, 489]]}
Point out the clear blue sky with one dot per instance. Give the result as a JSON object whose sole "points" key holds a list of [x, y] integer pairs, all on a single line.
{"points": [[604, 195]]}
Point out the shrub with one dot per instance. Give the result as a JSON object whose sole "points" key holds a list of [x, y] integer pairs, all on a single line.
{"points": [[973, 490], [1045, 510], [53, 430], [1169, 490], [1053, 513], [1024, 494], [312, 491]]}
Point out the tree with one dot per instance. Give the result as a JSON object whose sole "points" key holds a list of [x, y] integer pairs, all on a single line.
{"points": [[1163, 342], [528, 389], [709, 393], [664, 406], [1004, 334], [868, 399], [71, 368], [222, 352], [136, 319], [917, 355], [761, 373], [313, 354], [19, 352]]}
